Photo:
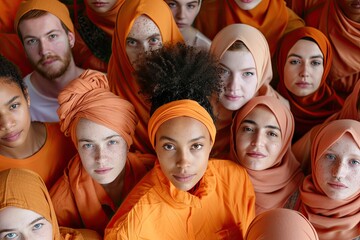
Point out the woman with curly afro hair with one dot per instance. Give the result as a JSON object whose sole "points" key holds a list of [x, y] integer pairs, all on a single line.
{"points": [[179, 193]]}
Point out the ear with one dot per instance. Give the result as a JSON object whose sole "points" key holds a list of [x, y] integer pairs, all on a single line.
{"points": [[71, 37]]}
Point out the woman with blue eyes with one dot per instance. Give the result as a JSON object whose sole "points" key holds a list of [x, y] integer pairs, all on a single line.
{"points": [[260, 141], [99, 177], [331, 194], [26, 210], [304, 61], [246, 71]]}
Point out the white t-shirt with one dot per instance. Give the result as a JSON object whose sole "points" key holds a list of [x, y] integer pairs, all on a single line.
{"points": [[42, 108]]}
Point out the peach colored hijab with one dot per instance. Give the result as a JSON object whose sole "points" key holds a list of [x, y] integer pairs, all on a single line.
{"points": [[273, 186], [281, 224], [120, 70], [332, 219], [89, 97], [314, 109]]}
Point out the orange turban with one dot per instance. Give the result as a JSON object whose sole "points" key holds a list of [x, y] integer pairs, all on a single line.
{"points": [[280, 224], [180, 108], [54, 7], [25, 189], [89, 97]]}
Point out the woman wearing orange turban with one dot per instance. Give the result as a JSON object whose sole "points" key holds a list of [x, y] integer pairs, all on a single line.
{"points": [[271, 17], [261, 142], [304, 61], [26, 210], [246, 71], [103, 172], [131, 39], [186, 195], [331, 194]]}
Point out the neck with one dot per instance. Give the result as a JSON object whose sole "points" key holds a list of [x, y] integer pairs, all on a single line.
{"points": [[115, 189], [32, 144]]}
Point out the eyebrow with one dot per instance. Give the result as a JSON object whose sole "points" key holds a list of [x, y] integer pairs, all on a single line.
{"points": [[173, 140], [13, 229], [89, 140], [267, 126], [11, 100], [296, 55], [50, 32]]}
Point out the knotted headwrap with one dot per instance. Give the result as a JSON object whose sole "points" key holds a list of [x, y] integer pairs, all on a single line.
{"points": [[180, 108], [89, 97], [54, 7]]}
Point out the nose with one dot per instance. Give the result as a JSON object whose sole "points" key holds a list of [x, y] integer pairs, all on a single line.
{"points": [[339, 170], [44, 47], [180, 14], [304, 72], [234, 83], [258, 139], [7, 122], [100, 155], [183, 160]]}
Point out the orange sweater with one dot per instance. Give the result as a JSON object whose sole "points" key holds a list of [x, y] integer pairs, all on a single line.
{"points": [[221, 207], [80, 202], [50, 161]]}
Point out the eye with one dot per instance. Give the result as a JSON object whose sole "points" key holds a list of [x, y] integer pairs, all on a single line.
{"points": [[191, 6], [14, 106], [168, 147], [330, 156], [171, 4], [273, 134], [37, 226], [11, 235], [112, 142], [354, 162], [154, 41], [87, 146], [131, 42], [31, 41], [248, 129], [197, 146], [224, 72], [316, 63], [248, 74], [53, 36], [294, 61]]}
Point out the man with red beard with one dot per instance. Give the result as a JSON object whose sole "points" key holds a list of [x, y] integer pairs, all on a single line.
{"points": [[47, 34]]}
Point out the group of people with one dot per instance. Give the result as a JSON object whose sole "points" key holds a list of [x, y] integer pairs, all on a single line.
{"points": [[180, 119]]}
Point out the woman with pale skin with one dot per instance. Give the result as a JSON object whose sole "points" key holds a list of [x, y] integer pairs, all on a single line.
{"points": [[141, 26], [26, 210], [244, 57], [261, 142], [304, 61], [331, 194], [185, 12]]}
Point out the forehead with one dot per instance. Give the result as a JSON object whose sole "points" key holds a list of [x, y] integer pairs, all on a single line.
{"points": [[143, 27], [89, 129], [262, 115], [48, 22], [345, 144], [305, 46]]}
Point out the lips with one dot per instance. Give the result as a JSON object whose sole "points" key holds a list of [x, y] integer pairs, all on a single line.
{"points": [[102, 171], [11, 137], [99, 4], [48, 60], [184, 177], [337, 185], [231, 97], [255, 154], [181, 25], [303, 84]]}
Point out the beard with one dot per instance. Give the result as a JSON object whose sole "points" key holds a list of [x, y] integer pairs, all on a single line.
{"points": [[49, 72]]}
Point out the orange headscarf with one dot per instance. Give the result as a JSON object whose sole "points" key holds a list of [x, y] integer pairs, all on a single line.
{"points": [[105, 21], [314, 109], [180, 108], [120, 70], [273, 186], [25, 189], [263, 17], [332, 219], [281, 224], [54, 7], [89, 97]]}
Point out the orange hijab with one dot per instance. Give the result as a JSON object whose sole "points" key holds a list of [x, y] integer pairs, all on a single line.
{"points": [[273, 186], [89, 97], [316, 108], [180, 108], [262, 17], [106, 20], [281, 224], [332, 219], [120, 70]]}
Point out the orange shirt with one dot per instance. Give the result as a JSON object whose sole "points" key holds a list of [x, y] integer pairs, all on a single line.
{"points": [[50, 161], [80, 202], [222, 206]]}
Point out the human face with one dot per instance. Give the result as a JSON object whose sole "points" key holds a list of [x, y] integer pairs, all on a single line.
{"points": [[338, 169], [247, 4], [103, 152], [143, 36], [18, 223], [238, 74], [47, 45], [304, 68], [101, 6], [258, 139], [14, 115], [183, 155], [351, 9], [184, 11]]}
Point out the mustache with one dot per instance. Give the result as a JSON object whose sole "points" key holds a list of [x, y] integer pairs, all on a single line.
{"points": [[48, 57]]}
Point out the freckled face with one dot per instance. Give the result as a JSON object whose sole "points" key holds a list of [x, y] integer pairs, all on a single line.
{"points": [[143, 36]]}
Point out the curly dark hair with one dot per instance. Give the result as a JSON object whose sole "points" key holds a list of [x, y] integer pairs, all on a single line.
{"points": [[176, 72], [10, 74]]}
